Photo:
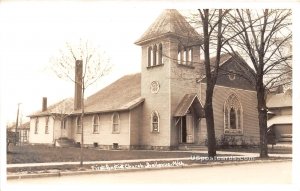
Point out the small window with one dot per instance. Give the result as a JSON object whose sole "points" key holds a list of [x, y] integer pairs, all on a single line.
{"points": [[47, 125], [154, 55], [115, 123], [160, 54], [96, 124], [231, 75], [78, 124], [179, 55], [154, 122], [149, 56], [36, 125]]}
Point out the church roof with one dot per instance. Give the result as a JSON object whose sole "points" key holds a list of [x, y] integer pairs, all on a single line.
{"points": [[170, 22], [123, 94], [64, 106]]}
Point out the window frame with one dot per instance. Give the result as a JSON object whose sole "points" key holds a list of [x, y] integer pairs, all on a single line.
{"points": [[115, 123], [152, 128], [47, 125], [96, 126], [36, 126], [78, 125], [233, 103]]}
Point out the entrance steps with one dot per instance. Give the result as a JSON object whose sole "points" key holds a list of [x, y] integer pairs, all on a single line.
{"points": [[65, 142], [192, 147]]}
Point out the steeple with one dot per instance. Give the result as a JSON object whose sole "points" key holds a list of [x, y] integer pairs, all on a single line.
{"points": [[170, 23]]}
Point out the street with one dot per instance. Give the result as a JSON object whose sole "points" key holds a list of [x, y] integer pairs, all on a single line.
{"points": [[258, 173]]}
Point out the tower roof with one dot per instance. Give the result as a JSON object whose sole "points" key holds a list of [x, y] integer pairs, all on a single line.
{"points": [[170, 22]]}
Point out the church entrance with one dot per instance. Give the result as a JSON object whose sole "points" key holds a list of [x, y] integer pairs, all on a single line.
{"points": [[186, 129]]}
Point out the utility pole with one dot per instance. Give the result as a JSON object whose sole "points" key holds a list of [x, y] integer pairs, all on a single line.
{"points": [[17, 121]]}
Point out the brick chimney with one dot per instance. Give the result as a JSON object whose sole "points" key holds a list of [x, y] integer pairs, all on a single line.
{"points": [[44, 104], [78, 84]]}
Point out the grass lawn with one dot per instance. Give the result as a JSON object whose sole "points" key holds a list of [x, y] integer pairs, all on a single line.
{"points": [[38, 154]]}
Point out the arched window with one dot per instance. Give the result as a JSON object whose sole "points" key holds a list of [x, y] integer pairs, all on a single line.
{"points": [[96, 124], [160, 54], [154, 122], [233, 115], [149, 56], [47, 125], [116, 123], [78, 124], [190, 56], [154, 55], [179, 55], [185, 57], [36, 125]]}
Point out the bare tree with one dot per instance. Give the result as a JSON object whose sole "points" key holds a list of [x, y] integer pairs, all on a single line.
{"points": [[213, 27], [95, 65], [264, 36]]}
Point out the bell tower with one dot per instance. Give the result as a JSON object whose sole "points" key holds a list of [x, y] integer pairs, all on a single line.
{"points": [[169, 68]]}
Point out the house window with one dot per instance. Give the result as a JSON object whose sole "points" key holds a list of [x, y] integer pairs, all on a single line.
{"points": [[154, 122], [78, 124], [116, 123], [96, 124], [233, 116], [36, 125], [64, 123], [47, 125]]}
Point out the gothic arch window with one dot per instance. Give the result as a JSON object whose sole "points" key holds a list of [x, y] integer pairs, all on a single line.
{"points": [[233, 115], [115, 123], [154, 122], [160, 54], [150, 56], [179, 55], [78, 124], [96, 120]]}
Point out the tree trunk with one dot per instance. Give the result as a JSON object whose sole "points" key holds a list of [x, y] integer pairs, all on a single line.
{"points": [[262, 118], [209, 115], [81, 121]]}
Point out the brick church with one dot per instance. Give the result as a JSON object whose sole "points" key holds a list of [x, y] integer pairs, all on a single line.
{"points": [[161, 107]]}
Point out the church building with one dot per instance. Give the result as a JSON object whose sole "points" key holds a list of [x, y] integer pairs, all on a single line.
{"points": [[161, 107]]}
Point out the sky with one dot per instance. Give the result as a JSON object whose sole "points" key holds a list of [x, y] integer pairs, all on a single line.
{"points": [[32, 32], [35, 32]]}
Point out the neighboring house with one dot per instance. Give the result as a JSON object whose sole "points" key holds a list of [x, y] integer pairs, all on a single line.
{"points": [[162, 107], [280, 115], [51, 123], [23, 132]]}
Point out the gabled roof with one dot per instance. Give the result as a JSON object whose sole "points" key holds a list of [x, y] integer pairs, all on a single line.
{"points": [[282, 119], [184, 105], [62, 107], [170, 22], [279, 100], [123, 94]]}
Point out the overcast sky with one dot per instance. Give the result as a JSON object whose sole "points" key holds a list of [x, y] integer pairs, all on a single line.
{"points": [[31, 33], [34, 32]]}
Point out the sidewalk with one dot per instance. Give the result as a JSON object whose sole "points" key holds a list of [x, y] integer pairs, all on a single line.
{"points": [[234, 154]]}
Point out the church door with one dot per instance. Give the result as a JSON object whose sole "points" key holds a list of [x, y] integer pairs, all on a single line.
{"points": [[189, 129]]}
